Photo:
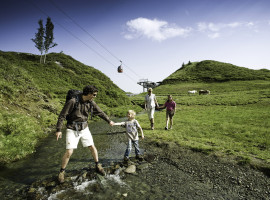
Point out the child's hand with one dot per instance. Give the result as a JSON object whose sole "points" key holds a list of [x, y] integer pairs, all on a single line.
{"points": [[111, 123]]}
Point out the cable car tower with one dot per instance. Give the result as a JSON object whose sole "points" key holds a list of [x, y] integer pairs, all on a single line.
{"points": [[147, 84]]}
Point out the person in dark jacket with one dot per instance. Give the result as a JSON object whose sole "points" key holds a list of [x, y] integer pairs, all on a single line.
{"points": [[76, 114]]}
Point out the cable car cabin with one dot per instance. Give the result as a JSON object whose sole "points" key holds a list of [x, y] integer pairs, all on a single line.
{"points": [[120, 69]]}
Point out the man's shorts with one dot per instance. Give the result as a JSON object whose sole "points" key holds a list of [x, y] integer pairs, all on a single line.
{"points": [[73, 137]]}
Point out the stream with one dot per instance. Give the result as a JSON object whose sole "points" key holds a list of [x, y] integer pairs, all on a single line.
{"points": [[169, 172], [45, 162]]}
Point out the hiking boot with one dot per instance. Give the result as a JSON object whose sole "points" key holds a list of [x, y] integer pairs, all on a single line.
{"points": [[139, 157], [126, 159], [61, 177], [99, 169]]}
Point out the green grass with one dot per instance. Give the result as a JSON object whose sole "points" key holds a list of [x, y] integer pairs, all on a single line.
{"points": [[228, 93], [19, 136], [234, 130], [213, 71], [232, 121]]}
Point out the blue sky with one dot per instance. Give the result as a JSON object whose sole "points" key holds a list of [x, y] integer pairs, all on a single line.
{"points": [[152, 37]]}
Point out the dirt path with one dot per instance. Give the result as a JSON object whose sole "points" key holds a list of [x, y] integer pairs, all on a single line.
{"points": [[183, 174]]}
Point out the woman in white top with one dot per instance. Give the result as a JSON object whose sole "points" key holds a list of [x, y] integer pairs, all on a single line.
{"points": [[150, 104]]}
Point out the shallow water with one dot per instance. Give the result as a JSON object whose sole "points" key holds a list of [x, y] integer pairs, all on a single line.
{"points": [[110, 143]]}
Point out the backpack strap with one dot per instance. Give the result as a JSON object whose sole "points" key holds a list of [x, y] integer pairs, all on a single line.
{"points": [[76, 97], [77, 101], [91, 109]]}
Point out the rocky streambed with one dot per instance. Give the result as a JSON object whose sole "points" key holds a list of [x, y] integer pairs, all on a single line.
{"points": [[87, 184], [167, 172]]}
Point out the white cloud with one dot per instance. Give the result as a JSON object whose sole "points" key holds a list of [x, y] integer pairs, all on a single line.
{"points": [[215, 27], [160, 30], [250, 24], [234, 24], [213, 30], [214, 35], [202, 26], [154, 29]]}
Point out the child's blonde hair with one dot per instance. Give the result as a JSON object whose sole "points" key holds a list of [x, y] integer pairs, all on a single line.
{"points": [[132, 113]]}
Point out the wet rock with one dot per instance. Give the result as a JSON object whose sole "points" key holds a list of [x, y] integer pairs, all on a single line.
{"points": [[101, 181], [84, 175], [32, 190], [51, 184], [100, 178], [143, 166], [131, 169]]}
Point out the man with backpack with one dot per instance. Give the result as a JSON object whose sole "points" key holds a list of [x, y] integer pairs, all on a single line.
{"points": [[76, 111]]}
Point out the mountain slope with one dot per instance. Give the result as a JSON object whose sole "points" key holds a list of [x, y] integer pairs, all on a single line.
{"points": [[62, 72], [213, 71], [32, 95]]}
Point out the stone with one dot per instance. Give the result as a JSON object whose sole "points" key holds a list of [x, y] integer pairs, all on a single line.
{"points": [[84, 175], [143, 166], [51, 184], [131, 169]]}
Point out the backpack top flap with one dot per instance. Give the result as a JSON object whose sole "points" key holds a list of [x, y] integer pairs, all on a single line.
{"points": [[73, 94]]}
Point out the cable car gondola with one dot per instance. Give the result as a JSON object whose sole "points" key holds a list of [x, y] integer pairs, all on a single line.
{"points": [[120, 68]]}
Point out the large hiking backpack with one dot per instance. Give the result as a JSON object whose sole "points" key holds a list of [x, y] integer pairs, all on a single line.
{"points": [[72, 93]]}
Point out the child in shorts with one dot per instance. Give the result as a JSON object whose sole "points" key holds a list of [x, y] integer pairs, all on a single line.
{"points": [[132, 126]]}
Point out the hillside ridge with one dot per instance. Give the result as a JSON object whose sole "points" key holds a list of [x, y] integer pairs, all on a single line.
{"points": [[215, 71], [62, 72]]}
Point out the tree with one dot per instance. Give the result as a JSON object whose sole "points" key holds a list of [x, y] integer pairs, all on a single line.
{"points": [[44, 38], [183, 65], [48, 43], [39, 39]]}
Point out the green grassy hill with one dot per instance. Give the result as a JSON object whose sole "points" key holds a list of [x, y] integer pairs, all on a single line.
{"points": [[32, 95], [233, 121], [213, 71]]}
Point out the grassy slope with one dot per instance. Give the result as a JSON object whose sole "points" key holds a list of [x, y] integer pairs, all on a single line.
{"points": [[213, 71], [233, 120], [32, 95]]}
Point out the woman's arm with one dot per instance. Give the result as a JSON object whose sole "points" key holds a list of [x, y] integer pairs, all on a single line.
{"points": [[156, 101], [163, 106]]}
